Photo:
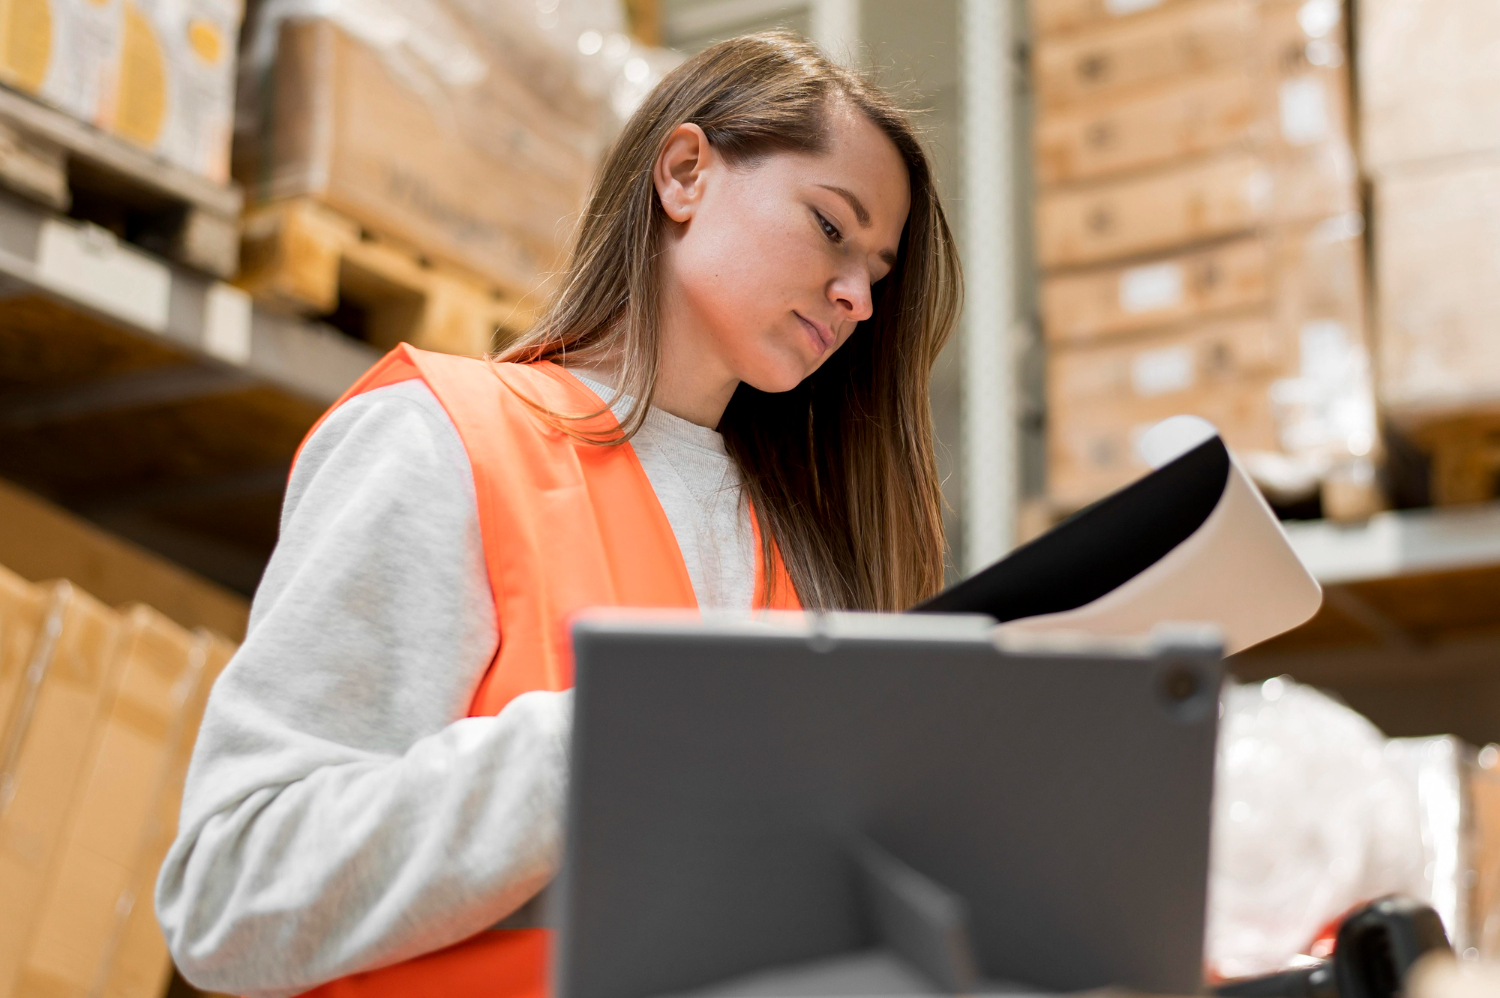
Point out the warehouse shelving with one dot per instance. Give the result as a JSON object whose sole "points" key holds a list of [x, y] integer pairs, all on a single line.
{"points": [[150, 397]]}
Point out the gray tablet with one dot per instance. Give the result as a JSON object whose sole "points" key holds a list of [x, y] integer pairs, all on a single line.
{"points": [[750, 797]]}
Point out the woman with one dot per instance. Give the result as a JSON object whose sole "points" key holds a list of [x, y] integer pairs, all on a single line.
{"points": [[761, 283]]}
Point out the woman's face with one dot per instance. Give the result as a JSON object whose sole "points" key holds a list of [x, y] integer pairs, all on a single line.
{"points": [[770, 264]]}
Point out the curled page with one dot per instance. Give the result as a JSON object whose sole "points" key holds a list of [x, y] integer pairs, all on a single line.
{"points": [[1193, 541]]}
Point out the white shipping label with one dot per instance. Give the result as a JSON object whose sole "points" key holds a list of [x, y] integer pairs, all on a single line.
{"points": [[1158, 372], [226, 323], [1119, 8], [1151, 288], [88, 263], [1304, 111]]}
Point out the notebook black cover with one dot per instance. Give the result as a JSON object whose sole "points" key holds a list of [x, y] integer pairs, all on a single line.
{"points": [[1099, 548]]}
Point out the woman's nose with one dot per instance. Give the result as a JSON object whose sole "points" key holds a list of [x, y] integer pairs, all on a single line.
{"points": [[851, 295]]}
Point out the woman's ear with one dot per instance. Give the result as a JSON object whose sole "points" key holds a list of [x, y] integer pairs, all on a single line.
{"points": [[679, 171]]}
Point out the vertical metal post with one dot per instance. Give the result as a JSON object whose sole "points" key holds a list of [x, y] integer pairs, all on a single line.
{"points": [[990, 446], [834, 25]]}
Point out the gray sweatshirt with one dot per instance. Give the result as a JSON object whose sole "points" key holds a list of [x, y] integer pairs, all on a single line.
{"points": [[341, 813]]}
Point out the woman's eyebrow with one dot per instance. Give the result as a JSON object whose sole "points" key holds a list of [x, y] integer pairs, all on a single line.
{"points": [[861, 213]]}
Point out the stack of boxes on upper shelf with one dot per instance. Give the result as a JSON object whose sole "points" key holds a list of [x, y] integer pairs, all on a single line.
{"points": [[1429, 73], [423, 162], [1199, 229], [159, 73]]}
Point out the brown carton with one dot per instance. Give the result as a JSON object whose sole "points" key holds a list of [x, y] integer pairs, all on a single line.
{"points": [[1285, 106], [160, 671], [1057, 17], [1428, 78], [1437, 257], [488, 177], [1102, 398], [50, 744], [1295, 274], [1197, 202], [23, 613], [1182, 39], [138, 965], [1097, 304]]}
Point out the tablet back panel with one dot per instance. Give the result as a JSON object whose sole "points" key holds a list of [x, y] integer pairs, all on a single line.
{"points": [[720, 770]]}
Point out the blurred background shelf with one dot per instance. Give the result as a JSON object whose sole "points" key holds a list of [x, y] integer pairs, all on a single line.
{"points": [[1409, 633], [151, 398]]}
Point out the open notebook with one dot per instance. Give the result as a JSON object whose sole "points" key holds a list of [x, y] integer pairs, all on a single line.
{"points": [[1193, 541]]}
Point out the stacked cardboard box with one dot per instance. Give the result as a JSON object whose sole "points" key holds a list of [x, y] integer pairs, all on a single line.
{"points": [[450, 138], [159, 73], [98, 712], [1430, 128], [1199, 229]]}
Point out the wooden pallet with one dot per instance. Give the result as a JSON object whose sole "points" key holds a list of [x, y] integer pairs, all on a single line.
{"points": [[50, 157], [1464, 448], [301, 256]]}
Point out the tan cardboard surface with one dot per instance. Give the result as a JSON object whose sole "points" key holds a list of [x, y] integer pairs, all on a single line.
{"points": [[1056, 17], [1179, 40], [40, 541], [1428, 80], [23, 611], [1289, 92], [138, 965], [491, 184], [1101, 397], [1437, 254], [39, 777], [1294, 274], [1112, 301], [161, 667], [1197, 202]]}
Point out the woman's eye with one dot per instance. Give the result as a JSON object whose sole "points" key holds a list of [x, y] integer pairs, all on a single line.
{"points": [[828, 227]]}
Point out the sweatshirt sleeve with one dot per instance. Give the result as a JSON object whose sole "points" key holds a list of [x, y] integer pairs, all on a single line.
{"points": [[340, 812]]}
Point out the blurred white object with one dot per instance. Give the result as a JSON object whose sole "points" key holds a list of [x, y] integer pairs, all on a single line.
{"points": [[1311, 816]]}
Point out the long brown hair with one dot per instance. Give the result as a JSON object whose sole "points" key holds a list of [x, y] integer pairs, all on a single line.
{"points": [[839, 470]]}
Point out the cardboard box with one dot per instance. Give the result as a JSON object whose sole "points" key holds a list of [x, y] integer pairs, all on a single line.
{"points": [[488, 177], [55, 736], [23, 613], [1428, 80], [1278, 102], [172, 91], [1102, 398], [41, 541], [1296, 274], [161, 668], [1437, 285], [65, 52], [1097, 304], [1196, 202], [1183, 39], [1289, 384], [138, 965], [1057, 17]]}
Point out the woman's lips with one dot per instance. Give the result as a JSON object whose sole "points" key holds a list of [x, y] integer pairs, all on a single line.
{"points": [[820, 334]]}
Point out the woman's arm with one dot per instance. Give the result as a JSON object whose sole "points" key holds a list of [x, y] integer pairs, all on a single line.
{"points": [[339, 813]]}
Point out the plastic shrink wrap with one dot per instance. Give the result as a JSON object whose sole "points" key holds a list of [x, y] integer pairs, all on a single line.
{"points": [[1315, 811], [466, 130]]}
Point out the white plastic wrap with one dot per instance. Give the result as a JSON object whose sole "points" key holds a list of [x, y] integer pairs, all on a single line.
{"points": [[1311, 816]]}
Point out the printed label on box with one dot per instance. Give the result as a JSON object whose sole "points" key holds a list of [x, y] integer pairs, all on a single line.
{"points": [[89, 264], [1151, 288], [1159, 372], [1304, 111]]}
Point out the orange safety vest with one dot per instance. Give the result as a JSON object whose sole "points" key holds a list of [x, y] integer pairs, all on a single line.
{"points": [[565, 525]]}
